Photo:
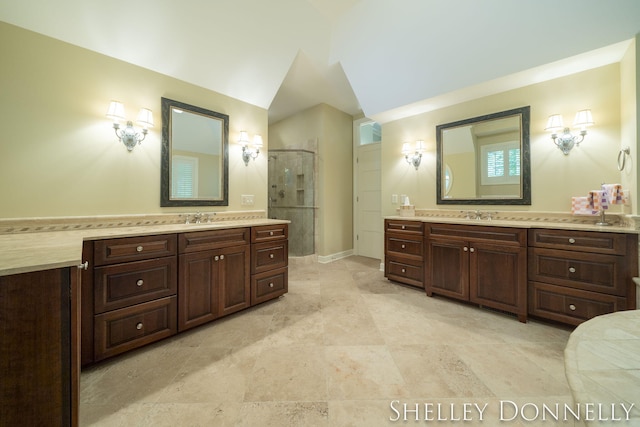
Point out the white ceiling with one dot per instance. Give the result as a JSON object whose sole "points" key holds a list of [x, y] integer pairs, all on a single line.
{"points": [[386, 58]]}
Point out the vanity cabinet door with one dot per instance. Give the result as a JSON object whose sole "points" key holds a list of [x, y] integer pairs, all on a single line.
{"points": [[447, 275], [498, 277], [212, 284]]}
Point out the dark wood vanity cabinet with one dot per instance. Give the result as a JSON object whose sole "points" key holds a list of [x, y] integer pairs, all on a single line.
{"points": [[269, 262], [481, 264], [577, 275], [404, 259], [214, 275], [138, 290], [134, 293], [39, 348]]}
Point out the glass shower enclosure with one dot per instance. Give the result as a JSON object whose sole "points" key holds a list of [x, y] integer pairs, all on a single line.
{"points": [[291, 181]]}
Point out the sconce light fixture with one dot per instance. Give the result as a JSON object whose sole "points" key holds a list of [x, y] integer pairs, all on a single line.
{"points": [[129, 136], [567, 141], [249, 150], [413, 156]]}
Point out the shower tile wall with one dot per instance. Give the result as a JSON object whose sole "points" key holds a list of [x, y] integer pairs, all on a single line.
{"points": [[292, 196]]}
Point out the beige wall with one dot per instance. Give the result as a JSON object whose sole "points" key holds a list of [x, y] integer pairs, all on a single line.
{"points": [[59, 155], [329, 131], [555, 177]]}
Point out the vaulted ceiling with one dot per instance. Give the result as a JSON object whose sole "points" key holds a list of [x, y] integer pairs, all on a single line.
{"points": [[384, 58]]}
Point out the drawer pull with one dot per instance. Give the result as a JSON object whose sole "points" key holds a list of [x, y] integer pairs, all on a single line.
{"points": [[403, 246], [403, 227], [404, 270], [572, 240], [139, 326], [140, 282], [271, 256], [271, 285], [572, 307], [271, 233], [139, 248], [572, 270]]}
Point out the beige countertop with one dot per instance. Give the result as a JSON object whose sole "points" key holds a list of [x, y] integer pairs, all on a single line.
{"points": [[34, 251], [533, 223], [602, 364]]}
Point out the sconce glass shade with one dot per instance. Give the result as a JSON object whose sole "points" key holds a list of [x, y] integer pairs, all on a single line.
{"points": [[406, 148], [420, 146], [583, 119], [244, 137], [145, 118], [116, 111], [257, 141], [554, 123]]}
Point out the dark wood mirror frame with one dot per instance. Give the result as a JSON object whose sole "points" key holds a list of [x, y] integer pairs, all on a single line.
{"points": [[525, 166], [165, 169]]}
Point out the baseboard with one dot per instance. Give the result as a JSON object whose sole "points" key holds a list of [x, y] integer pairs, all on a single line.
{"points": [[334, 257]]}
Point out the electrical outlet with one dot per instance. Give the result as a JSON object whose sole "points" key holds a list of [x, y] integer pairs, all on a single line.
{"points": [[394, 199], [247, 200]]}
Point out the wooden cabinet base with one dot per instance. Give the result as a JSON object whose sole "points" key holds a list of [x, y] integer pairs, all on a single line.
{"points": [[39, 362]]}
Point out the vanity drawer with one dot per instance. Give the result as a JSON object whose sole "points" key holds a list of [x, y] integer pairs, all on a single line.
{"points": [[403, 272], [128, 328], [404, 226], [269, 285], [587, 271], [113, 251], [212, 239], [584, 241], [268, 233], [269, 255], [568, 305], [122, 285], [408, 246]]}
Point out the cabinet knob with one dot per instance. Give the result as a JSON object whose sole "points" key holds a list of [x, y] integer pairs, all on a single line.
{"points": [[465, 249], [139, 248], [216, 258], [221, 256], [139, 326], [271, 285], [472, 250], [271, 256], [140, 282], [404, 246], [271, 233], [572, 307], [403, 227], [572, 270], [572, 240]]}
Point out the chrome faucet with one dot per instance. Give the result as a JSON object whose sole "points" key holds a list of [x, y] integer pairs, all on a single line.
{"points": [[197, 217]]}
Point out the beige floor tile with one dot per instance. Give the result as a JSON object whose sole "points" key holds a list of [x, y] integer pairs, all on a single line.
{"points": [[280, 414], [296, 373]]}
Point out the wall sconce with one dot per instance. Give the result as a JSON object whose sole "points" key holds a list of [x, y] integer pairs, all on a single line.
{"points": [[129, 136], [566, 141], [413, 157], [249, 150]]}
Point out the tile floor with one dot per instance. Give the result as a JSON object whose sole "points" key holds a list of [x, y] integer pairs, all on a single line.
{"points": [[345, 347]]}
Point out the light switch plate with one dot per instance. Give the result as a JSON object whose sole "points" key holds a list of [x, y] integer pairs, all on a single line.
{"points": [[247, 200], [394, 199]]}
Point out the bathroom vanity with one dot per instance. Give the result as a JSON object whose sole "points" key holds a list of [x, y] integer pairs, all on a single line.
{"points": [[80, 294], [555, 271]]}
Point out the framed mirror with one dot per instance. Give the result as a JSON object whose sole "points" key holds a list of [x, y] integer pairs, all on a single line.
{"points": [[195, 156], [485, 160]]}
